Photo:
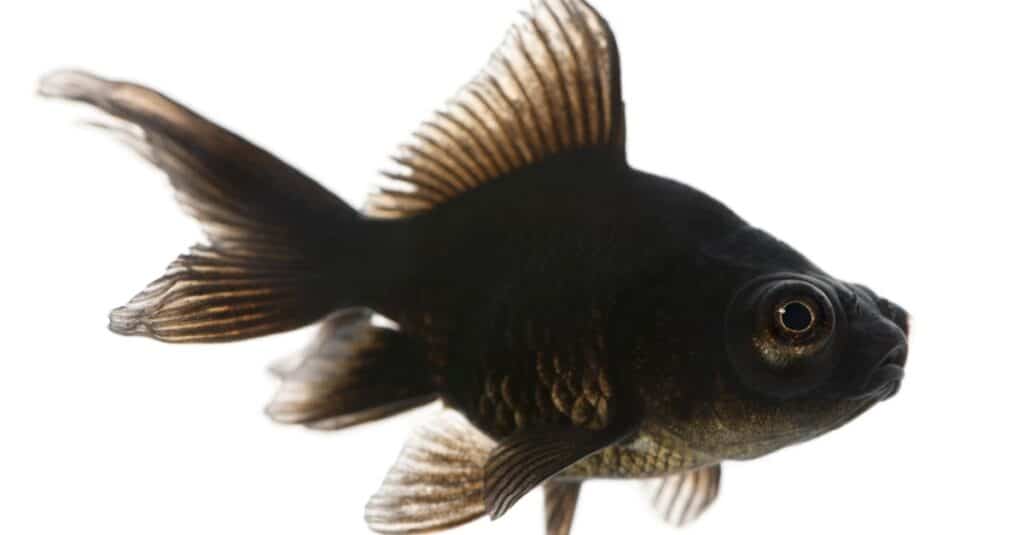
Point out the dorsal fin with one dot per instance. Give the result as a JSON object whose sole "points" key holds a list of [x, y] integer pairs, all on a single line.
{"points": [[551, 88]]}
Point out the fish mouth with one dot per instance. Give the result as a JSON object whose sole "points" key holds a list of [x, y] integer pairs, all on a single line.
{"points": [[885, 380]]}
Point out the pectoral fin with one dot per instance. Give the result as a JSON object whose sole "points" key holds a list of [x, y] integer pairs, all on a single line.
{"points": [[531, 457], [560, 499], [681, 498]]}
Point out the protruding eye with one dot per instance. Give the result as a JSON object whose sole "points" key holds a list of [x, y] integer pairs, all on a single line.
{"points": [[781, 334], [793, 322], [796, 317]]}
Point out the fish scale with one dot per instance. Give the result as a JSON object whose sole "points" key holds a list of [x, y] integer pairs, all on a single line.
{"points": [[566, 382]]}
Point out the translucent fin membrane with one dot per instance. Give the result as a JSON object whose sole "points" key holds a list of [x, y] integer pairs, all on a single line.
{"points": [[551, 88]]}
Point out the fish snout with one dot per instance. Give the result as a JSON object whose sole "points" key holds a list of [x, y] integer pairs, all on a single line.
{"points": [[885, 380], [896, 314]]}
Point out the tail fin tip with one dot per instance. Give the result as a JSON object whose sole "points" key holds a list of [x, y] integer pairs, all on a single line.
{"points": [[353, 372], [276, 237]]}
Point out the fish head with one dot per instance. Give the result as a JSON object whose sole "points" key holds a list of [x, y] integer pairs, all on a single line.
{"points": [[806, 335], [804, 354]]}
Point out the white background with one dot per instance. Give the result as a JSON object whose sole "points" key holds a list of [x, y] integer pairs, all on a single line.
{"points": [[885, 139]]}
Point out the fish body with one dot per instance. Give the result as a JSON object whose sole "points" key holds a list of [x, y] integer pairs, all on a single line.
{"points": [[543, 287], [578, 318]]}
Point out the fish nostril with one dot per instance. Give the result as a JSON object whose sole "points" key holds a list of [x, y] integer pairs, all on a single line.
{"points": [[896, 314]]}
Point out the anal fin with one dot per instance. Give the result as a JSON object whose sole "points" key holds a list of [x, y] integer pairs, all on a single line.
{"points": [[437, 481]]}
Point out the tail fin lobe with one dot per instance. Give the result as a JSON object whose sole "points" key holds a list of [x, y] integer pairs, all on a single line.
{"points": [[276, 237], [353, 372]]}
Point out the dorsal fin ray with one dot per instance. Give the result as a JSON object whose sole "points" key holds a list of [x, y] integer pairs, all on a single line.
{"points": [[551, 88]]}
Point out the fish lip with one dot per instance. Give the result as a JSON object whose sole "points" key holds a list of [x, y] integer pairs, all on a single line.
{"points": [[893, 375], [884, 381], [894, 388]]}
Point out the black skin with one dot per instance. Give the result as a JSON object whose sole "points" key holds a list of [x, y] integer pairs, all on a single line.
{"points": [[586, 248]]}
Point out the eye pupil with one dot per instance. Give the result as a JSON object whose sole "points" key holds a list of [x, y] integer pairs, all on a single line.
{"points": [[796, 317]]}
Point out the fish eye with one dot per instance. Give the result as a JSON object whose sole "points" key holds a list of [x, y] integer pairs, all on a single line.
{"points": [[793, 321], [795, 317], [781, 334]]}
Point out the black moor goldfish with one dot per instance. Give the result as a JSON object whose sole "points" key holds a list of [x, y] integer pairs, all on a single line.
{"points": [[578, 318]]}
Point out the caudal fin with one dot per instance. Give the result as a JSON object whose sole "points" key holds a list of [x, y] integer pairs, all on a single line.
{"points": [[274, 234], [353, 372]]}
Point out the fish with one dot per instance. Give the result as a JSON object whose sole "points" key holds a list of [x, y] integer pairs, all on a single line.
{"points": [[577, 318]]}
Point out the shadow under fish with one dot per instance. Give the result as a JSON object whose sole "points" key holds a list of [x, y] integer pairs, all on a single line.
{"points": [[578, 318]]}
